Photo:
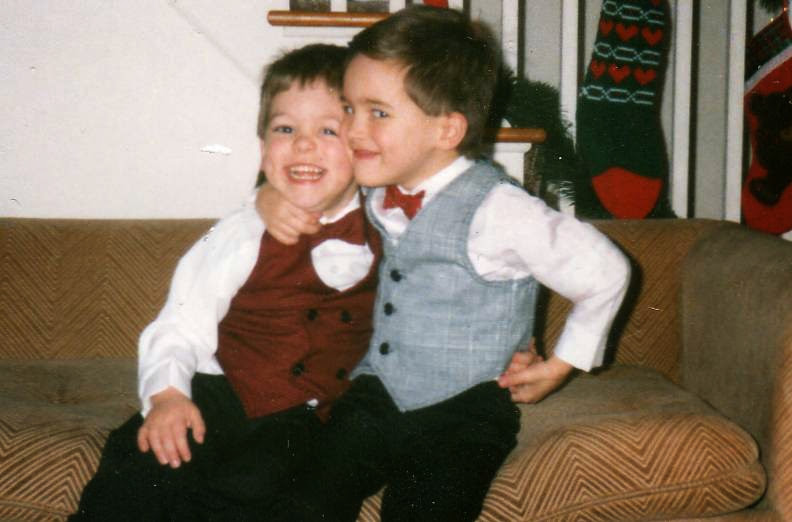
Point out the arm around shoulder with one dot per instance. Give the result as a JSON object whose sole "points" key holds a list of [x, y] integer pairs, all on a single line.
{"points": [[285, 221]]}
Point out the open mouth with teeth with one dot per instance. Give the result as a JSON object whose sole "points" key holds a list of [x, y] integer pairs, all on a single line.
{"points": [[305, 173]]}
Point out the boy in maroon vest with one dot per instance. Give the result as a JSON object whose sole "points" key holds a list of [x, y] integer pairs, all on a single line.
{"points": [[256, 338]]}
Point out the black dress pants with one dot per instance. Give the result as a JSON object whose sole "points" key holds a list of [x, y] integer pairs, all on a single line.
{"points": [[238, 473], [436, 463]]}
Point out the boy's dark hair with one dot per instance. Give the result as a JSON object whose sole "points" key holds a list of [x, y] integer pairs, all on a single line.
{"points": [[452, 63], [303, 65]]}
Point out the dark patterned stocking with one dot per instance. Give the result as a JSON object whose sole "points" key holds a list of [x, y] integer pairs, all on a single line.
{"points": [[618, 121]]}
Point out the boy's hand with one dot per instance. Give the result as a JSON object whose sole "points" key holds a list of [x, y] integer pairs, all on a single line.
{"points": [[524, 358], [530, 378], [285, 222], [165, 429]]}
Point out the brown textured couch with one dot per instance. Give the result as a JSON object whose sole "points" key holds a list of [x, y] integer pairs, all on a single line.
{"points": [[693, 418]]}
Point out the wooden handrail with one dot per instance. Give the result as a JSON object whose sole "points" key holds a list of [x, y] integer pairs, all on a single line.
{"points": [[343, 19], [517, 135], [323, 18]]}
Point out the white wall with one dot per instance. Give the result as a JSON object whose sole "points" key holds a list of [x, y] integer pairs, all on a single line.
{"points": [[106, 104]]}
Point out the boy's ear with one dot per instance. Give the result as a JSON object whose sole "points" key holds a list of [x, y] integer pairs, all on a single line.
{"points": [[453, 128]]}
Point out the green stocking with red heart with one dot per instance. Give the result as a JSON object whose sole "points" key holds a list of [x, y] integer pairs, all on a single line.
{"points": [[618, 121]]}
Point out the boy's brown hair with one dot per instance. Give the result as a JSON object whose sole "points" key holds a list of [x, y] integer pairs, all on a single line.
{"points": [[452, 63], [304, 65]]}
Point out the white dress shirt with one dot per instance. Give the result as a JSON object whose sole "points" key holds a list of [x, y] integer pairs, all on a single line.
{"points": [[182, 340], [514, 235]]}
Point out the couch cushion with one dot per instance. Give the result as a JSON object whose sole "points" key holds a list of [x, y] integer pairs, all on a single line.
{"points": [[54, 418], [623, 445]]}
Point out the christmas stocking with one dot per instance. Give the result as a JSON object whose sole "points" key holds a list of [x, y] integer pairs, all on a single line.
{"points": [[767, 191], [618, 120]]}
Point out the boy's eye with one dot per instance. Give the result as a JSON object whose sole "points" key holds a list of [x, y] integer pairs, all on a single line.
{"points": [[347, 109], [327, 131], [283, 129], [379, 113]]}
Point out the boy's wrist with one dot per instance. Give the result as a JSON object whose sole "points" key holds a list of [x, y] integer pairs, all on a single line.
{"points": [[168, 394], [171, 375], [559, 367]]}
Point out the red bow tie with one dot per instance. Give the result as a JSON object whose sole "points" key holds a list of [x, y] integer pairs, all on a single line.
{"points": [[409, 203], [349, 229]]}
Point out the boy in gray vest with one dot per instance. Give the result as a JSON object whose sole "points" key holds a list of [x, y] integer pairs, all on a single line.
{"points": [[430, 414]]}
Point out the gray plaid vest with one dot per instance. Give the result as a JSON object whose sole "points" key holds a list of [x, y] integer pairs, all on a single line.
{"points": [[439, 328]]}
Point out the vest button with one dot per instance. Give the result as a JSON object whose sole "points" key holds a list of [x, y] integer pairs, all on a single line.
{"points": [[341, 374], [346, 317], [384, 348], [298, 369], [312, 314], [395, 275], [389, 308]]}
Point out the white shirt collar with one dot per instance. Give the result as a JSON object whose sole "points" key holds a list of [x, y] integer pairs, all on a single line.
{"points": [[352, 204], [434, 184]]}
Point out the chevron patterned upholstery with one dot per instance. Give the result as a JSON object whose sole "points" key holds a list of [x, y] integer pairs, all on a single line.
{"points": [[626, 444], [632, 442], [781, 443], [647, 328], [74, 288]]}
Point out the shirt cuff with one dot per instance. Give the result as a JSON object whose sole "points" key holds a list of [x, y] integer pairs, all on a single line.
{"points": [[168, 375], [580, 348]]}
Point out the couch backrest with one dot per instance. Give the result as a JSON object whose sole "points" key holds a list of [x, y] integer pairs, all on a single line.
{"points": [[646, 331], [87, 288], [84, 288]]}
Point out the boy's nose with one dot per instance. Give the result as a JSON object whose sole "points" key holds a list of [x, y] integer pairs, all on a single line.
{"points": [[303, 142], [352, 126]]}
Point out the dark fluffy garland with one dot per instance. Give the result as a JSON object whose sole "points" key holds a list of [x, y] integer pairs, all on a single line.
{"points": [[526, 103], [772, 5]]}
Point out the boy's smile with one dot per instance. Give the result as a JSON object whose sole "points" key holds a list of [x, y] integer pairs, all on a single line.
{"points": [[392, 140], [305, 173], [302, 152]]}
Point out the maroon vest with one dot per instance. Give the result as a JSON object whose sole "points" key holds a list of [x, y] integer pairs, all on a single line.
{"points": [[288, 337]]}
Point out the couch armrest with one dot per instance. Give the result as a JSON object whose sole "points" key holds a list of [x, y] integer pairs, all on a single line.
{"points": [[736, 322]]}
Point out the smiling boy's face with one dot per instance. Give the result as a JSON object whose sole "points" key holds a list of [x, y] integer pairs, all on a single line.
{"points": [[302, 153], [393, 140]]}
